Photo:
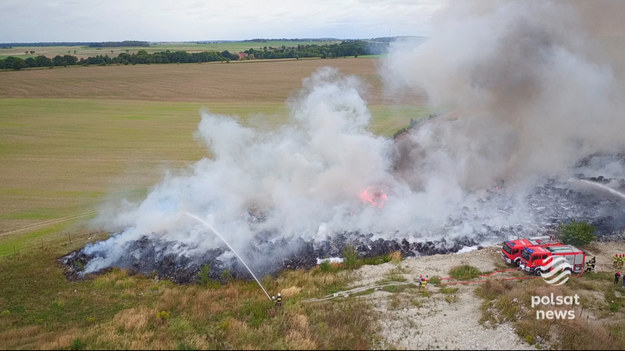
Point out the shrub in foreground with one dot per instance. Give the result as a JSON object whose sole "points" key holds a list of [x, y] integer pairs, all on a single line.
{"points": [[577, 233], [464, 272]]}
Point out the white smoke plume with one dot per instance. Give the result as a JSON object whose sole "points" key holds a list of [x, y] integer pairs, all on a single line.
{"points": [[301, 178], [530, 97]]}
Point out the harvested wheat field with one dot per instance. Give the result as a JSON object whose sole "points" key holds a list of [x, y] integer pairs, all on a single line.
{"points": [[258, 81]]}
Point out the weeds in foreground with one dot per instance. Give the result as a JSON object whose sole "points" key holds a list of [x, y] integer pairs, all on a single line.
{"points": [[451, 298], [163, 315], [435, 280], [511, 302], [448, 290], [350, 257], [464, 272]]}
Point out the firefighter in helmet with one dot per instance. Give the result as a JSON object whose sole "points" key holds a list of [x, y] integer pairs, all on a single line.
{"points": [[590, 265], [279, 300], [618, 260]]}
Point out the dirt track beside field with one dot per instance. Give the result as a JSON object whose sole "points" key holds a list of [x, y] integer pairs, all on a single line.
{"points": [[434, 322]]}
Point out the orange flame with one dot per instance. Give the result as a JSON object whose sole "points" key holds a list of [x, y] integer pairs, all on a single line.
{"points": [[374, 197]]}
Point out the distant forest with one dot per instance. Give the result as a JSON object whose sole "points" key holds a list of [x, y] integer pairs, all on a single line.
{"points": [[113, 44], [343, 49], [102, 44]]}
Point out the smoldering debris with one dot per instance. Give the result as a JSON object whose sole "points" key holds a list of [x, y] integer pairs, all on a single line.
{"points": [[550, 204], [148, 257], [532, 138]]}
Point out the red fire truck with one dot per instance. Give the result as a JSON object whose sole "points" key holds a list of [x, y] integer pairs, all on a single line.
{"points": [[534, 258], [511, 249]]}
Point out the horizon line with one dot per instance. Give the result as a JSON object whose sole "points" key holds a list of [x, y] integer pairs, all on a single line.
{"points": [[206, 41]]}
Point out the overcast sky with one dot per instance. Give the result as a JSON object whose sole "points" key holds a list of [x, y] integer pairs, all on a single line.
{"points": [[189, 20]]}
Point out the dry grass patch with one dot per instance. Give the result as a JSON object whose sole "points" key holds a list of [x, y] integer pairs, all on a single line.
{"points": [[173, 299], [297, 341], [26, 335], [341, 325], [236, 330], [207, 303], [312, 282], [300, 322], [133, 319], [395, 257], [290, 292], [65, 340], [133, 328], [493, 288], [580, 334]]}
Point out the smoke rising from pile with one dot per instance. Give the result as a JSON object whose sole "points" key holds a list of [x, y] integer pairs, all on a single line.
{"points": [[307, 173], [529, 98]]}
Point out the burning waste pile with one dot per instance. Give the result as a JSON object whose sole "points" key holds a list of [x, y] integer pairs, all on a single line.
{"points": [[534, 138]]}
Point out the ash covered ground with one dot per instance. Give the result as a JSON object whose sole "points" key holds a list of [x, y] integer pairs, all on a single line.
{"points": [[151, 257], [590, 197]]}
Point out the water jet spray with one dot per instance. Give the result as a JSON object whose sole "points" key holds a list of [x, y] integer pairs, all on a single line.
{"points": [[603, 187], [231, 248]]}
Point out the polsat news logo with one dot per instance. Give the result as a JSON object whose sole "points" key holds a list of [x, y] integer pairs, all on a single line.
{"points": [[556, 270]]}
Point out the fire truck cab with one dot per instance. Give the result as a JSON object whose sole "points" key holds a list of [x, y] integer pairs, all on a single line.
{"points": [[511, 249], [534, 258]]}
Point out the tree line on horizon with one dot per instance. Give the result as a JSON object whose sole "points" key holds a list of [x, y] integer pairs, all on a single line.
{"points": [[101, 44], [343, 49]]}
